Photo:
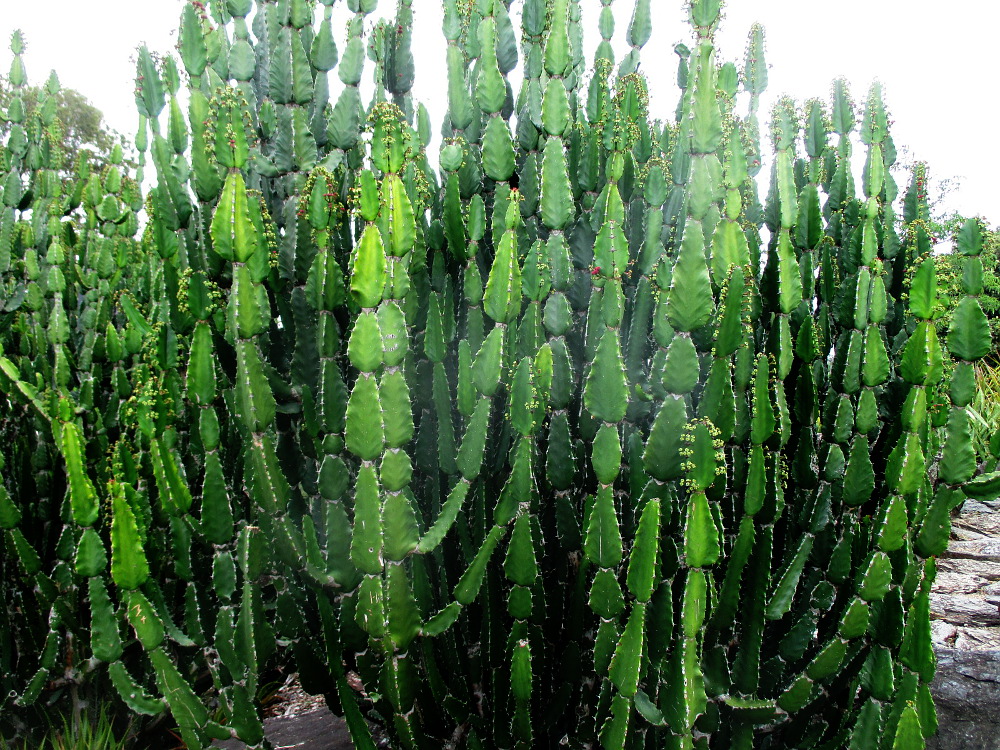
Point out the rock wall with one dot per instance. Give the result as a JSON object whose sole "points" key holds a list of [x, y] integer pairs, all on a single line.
{"points": [[966, 630]]}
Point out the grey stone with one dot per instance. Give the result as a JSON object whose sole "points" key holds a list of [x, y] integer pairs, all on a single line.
{"points": [[987, 549], [965, 629], [975, 506], [966, 609], [966, 691], [316, 730]]}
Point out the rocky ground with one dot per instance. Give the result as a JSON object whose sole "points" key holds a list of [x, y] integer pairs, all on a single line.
{"points": [[965, 612], [966, 631]]}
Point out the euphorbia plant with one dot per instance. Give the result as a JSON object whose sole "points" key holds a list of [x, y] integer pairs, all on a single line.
{"points": [[565, 440]]}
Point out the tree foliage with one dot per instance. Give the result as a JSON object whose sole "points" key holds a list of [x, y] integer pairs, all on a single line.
{"points": [[82, 124]]}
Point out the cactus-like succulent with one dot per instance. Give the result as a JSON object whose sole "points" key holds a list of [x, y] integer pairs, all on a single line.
{"points": [[563, 440]]}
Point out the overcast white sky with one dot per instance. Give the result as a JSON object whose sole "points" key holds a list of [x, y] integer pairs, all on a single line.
{"points": [[938, 63]]}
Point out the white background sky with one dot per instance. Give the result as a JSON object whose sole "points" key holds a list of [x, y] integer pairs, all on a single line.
{"points": [[938, 62]]}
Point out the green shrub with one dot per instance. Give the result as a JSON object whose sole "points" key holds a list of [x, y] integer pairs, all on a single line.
{"points": [[553, 444], [90, 728], [985, 413]]}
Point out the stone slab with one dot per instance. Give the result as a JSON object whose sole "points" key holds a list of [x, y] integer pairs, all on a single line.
{"points": [[966, 691]]}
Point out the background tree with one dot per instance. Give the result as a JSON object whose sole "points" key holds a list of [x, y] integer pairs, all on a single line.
{"points": [[83, 125]]}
